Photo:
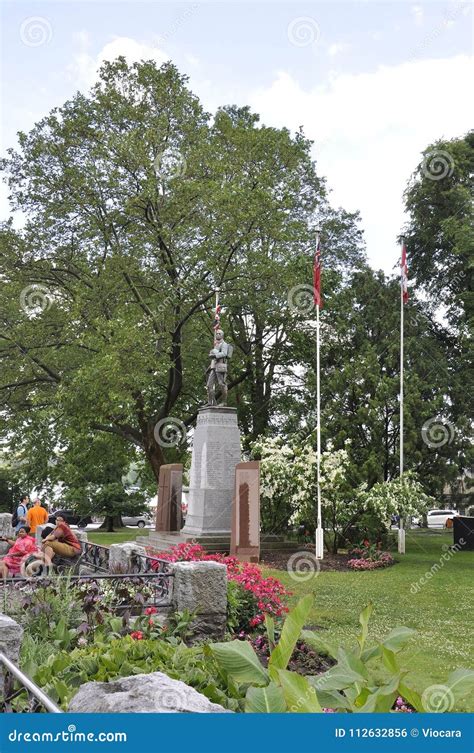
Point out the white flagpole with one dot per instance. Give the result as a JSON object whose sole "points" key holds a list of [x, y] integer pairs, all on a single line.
{"points": [[401, 529], [319, 529]]}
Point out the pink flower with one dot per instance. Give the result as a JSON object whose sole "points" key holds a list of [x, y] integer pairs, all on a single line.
{"points": [[151, 610]]}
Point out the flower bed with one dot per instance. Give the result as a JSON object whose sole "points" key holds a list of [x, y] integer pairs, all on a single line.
{"points": [[369, 557], [267, 593]]}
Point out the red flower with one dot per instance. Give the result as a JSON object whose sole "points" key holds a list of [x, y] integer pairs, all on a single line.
{"points": [[151, 610], [137, 635]]}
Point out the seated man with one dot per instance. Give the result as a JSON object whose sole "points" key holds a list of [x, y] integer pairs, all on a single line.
{"points": [[61, 541], [21, 547]]}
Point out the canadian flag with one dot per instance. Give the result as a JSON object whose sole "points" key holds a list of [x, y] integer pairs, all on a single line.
{"points": [[318, 301], [404, 273]]}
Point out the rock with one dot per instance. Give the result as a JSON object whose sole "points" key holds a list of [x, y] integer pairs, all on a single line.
{"points": [[201, 587], [139, 694], [120, 556], [10, 642]]}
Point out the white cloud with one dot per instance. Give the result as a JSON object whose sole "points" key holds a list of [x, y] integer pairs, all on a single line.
{"points": [[417, 13], [337, 47], [85, 67], [369, 130]]}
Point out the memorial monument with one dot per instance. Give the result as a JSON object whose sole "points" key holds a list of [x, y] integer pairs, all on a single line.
{"points": [[215, 454]]}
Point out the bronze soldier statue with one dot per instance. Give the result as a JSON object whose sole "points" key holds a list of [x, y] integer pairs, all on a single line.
{"points": [[217, 371]]}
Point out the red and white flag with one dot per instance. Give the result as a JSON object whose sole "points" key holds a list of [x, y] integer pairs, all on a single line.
{"points": [[318, 301], [404, 273]]}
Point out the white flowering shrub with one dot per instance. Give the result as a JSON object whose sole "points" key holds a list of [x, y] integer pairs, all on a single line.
{"points": [[288, 493], [403, 496]]}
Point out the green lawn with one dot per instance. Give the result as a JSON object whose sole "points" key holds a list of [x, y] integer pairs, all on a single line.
{"points": [[441, 611], [119, 537]]}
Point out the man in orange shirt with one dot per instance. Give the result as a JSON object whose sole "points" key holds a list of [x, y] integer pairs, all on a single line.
{"points": [[36, 516]]}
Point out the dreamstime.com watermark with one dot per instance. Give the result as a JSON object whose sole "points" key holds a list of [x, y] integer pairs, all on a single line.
{"points": [[67, 736], [448, 554]]}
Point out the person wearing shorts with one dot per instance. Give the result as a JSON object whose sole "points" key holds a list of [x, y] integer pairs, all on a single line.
{"points": [[61, 541]]}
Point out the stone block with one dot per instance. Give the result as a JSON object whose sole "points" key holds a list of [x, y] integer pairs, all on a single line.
{"points": [[121, 556], [201, 587]]}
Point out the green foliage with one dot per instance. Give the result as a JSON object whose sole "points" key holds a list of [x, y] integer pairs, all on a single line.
{"points": [[241, 607], [63, 672], [370, 679], [272, 690], [288, 493], [440, 236]]}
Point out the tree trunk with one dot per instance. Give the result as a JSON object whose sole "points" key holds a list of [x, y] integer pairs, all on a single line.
{"points": [[154, 455], [110, 523]]}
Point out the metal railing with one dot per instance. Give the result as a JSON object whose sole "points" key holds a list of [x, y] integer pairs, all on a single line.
{"points": [[36, 697]]}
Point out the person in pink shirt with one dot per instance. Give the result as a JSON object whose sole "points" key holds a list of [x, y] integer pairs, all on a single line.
{"points": [[21, 547]]}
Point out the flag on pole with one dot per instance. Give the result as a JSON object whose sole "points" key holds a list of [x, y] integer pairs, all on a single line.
{"points": [[404, 273], [318, 301], [217, 318]]}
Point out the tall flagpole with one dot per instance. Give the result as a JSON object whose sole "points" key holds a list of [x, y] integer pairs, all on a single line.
{"points": [[401, 529], [319, 529]]}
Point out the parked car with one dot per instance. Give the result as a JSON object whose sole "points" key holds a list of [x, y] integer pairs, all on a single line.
{"points": [[72, 518], [137, 520], [438, 518]]}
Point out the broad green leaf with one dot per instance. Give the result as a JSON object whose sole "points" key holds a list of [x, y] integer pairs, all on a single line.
{"points": [[397, 638], [389, 659], [370, 653], [339, 677], [331, 699], [461, 682], [289, 636], [269, 700], [441, 698], [270, 628], [300, 695], [413, 698], [240, 661], [364, 618], [380, 701], [348, 659], [321, 644]]}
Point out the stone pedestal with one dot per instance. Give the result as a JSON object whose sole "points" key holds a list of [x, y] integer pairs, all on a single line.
{"points": [[216, 452]]}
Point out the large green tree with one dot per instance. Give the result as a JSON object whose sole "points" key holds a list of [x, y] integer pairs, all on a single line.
{"points": [[138, 205], [440, 230]]}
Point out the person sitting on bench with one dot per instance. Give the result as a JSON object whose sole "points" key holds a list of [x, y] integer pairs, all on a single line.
{"points": [[21, 547], [61, 541]]}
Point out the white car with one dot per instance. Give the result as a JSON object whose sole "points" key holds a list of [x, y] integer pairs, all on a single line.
{"points": [[438, 518], [137, 520]]}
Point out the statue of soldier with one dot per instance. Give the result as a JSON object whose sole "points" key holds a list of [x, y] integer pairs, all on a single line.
{"points": [[218, 369]]}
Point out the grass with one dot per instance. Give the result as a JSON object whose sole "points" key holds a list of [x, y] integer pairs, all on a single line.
{"points": [[440, 611], [119, 537]]}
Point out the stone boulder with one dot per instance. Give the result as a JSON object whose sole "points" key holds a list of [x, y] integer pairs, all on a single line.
{"points": [[139, 694], [10, 642]]}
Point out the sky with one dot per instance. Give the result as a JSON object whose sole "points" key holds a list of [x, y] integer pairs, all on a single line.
{"points": [[372, 83]]}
